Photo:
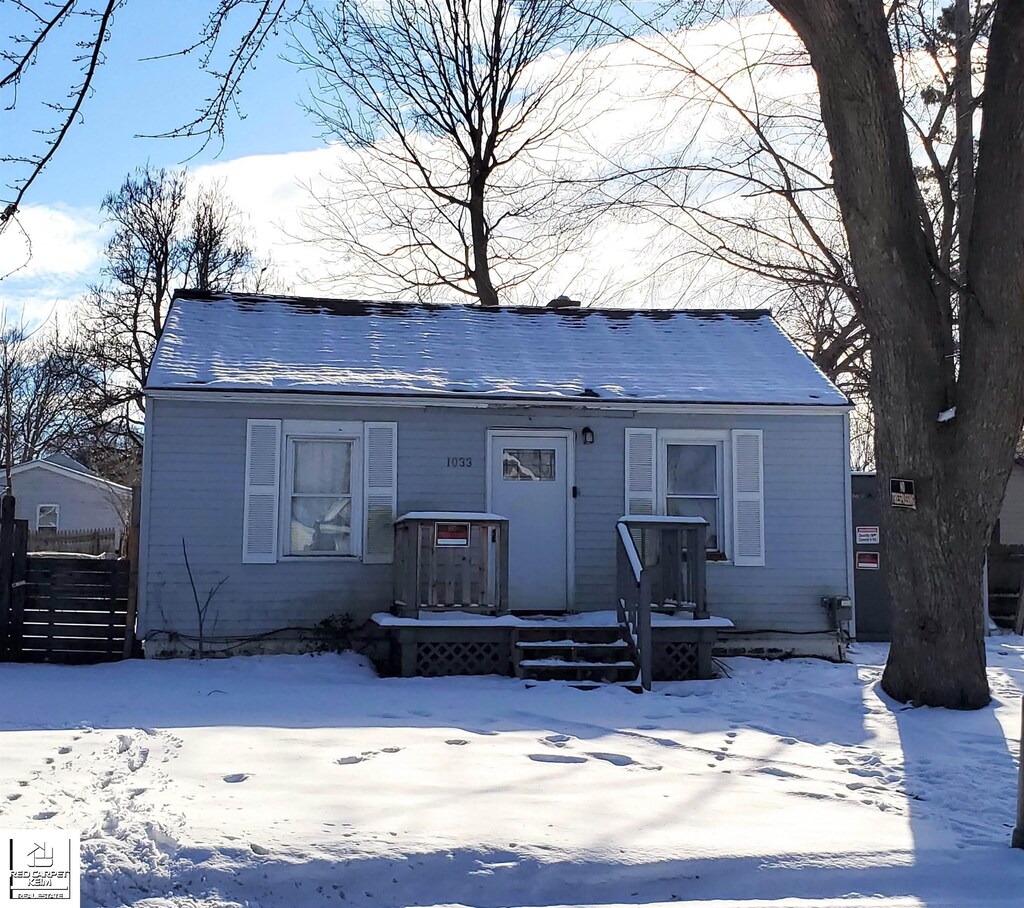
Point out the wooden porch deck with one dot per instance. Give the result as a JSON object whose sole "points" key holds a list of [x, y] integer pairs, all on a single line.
{"points": [[437, 644], [452, 616]]}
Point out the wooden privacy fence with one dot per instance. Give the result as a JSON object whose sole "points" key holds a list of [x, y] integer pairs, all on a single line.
{"points": [[85, 542], [60, 608]]}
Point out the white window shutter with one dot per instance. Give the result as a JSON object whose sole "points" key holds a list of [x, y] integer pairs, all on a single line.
{"points": [[641, 471], [262, 493], [380, 478], [748, 497]]}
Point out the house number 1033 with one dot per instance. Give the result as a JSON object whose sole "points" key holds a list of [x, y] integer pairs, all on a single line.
{"points": [[460, 461]]}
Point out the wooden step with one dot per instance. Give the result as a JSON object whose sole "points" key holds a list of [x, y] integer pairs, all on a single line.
{"points": [[633, 686], [568, 664], [570, 644]]}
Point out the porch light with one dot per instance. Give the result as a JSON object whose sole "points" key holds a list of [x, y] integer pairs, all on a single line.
{"points": [[587, 434]]}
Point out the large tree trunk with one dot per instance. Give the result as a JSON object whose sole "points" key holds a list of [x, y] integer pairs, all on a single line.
{"points": [[960, 465]]}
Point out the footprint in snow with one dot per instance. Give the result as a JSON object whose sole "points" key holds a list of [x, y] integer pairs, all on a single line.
{"points": [[64, 750], [778, 773], [45, 815], [390, 750], [788, 740], [556, 740], [348, 761], [556, 758], [258, 849], [458, 742], [13, 797], [236, 777], [614, 759]]}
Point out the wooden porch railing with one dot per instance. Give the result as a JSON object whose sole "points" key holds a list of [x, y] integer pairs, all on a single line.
{"points": [[451, 561], [660, 564]]}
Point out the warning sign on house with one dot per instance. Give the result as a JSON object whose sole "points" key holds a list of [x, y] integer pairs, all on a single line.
{"points": [[867, 535], [902, 494], [868, 561], [451, 534]]}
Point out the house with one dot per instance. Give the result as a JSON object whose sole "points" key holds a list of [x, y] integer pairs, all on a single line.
{"points": [[286, 436], [58, 494], [999, 589]]}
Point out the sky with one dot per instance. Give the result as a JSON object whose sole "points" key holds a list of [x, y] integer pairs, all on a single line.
{"points": [[270, 161]]}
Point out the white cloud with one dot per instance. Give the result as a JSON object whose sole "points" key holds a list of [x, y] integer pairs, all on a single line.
{"points": [[47, 260]]}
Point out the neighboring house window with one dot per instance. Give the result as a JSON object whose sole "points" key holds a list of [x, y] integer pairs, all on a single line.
{"points": [[320, 496], [694, 482], [48, 517]]}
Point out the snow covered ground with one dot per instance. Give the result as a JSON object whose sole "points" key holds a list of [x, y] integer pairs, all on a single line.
{"points": [[294, 781]]}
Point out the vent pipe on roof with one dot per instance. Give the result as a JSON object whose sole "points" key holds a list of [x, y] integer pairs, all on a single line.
{"points": [[563, 302]]}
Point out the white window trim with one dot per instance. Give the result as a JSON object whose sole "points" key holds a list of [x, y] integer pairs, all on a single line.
{"points": [[56, 511], [723, 442], [319, 430]]}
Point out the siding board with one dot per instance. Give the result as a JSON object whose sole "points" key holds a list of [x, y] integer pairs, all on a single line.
{"points": [[195, 492]]}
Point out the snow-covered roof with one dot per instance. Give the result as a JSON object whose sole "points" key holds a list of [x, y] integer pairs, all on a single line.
{"points": [[233, 342]]}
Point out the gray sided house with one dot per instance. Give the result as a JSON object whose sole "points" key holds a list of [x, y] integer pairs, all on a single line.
{"points": [[56, 494], [285, 437]]}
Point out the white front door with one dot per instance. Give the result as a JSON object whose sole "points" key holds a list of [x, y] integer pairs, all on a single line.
{"points": [[529, 484]]}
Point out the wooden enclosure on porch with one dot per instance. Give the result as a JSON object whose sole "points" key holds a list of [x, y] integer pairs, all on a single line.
{"points": [[451, 560], [451, 611]]}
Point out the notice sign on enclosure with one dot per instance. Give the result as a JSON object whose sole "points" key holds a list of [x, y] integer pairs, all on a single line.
{"points": [[902, 494], [451, 534], [868, 561], [867, 536]]}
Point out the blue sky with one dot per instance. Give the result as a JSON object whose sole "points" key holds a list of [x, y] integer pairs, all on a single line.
{"points": [[135, 97]]}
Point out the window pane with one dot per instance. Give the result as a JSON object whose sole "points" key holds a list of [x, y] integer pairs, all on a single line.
{"points": [[322, 467], [698, 507], [528, 464], [47, 517], [321, 524], [692, 470]]}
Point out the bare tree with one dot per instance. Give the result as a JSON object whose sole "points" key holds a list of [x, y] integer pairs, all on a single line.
{"points": [[163, 239], [751, 192], [73, 34], [46, 393], [906, 295], [451, 106]]}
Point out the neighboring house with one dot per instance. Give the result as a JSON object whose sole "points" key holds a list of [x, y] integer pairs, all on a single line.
{"points": [[284, 436], [58, 493], [999, 589], [1010, 528]]}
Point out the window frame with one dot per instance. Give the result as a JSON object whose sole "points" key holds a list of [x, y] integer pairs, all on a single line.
{"points": [[56, 511], [722, 442], [315, 430]]}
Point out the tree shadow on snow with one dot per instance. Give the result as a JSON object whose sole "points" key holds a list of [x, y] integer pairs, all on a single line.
{"points": [[493, 879]]}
